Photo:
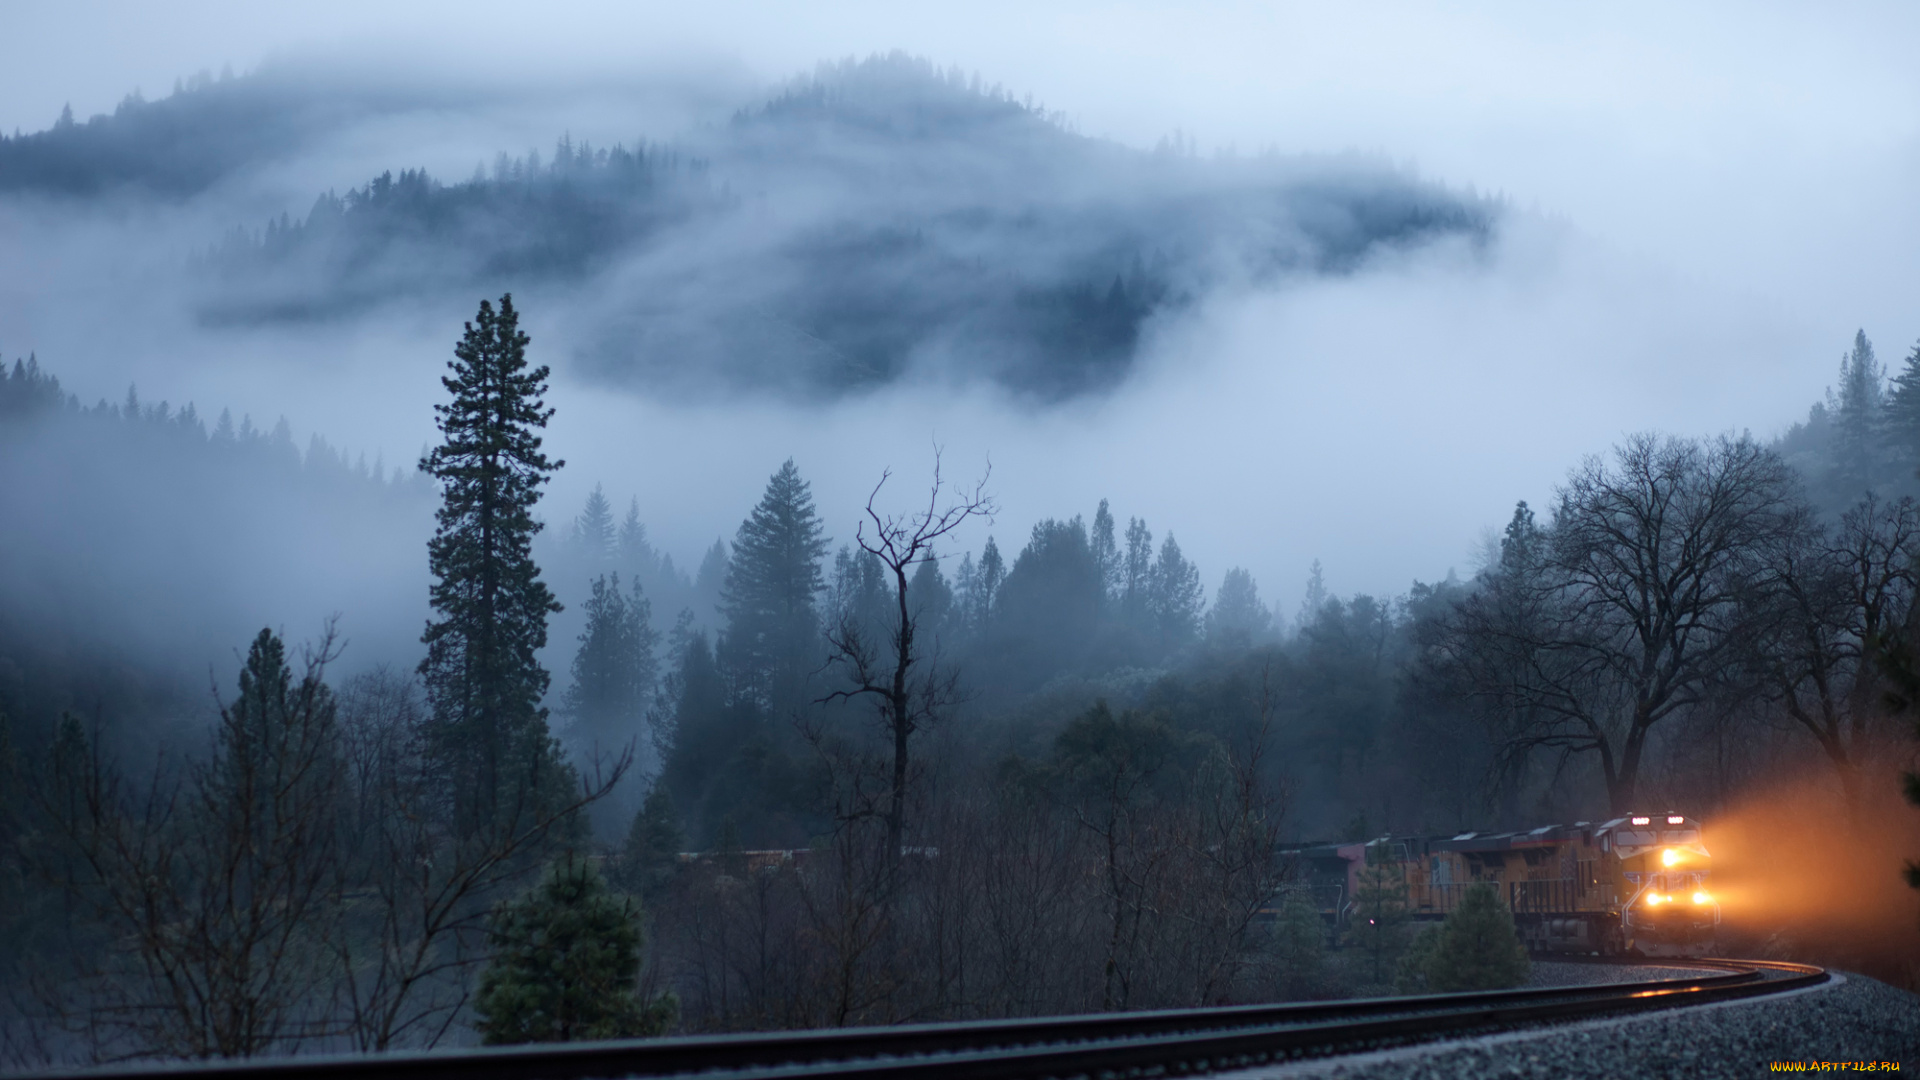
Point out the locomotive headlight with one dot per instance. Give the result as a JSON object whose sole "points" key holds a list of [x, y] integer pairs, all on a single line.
{"points": [[1653, 899], [1669, 857], [1701, 897]]}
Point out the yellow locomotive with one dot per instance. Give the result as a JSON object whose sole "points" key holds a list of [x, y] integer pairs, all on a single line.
{"points": [[1636, 884]]}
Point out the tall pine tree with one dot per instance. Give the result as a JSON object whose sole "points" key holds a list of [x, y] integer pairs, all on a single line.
{"points": [[1106, 551], [1856, 406], [983, 594], [484, 683], [771, 594], [1136, 573]]}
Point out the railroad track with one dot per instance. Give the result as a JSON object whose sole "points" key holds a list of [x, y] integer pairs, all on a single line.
{"points": [[1109, 1045]]}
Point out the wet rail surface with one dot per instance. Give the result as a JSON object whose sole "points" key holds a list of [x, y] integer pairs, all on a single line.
{"points": [[1173, 1042]]}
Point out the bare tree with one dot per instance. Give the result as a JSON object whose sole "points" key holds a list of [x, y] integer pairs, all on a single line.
{"points": [[210, 889], [1838, 598], [422, 885], [1183, 832], [1635, 607], [904, 681]]}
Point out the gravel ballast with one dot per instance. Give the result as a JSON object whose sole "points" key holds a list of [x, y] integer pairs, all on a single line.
{"points": [[1850, 1019], [1547, 973]]}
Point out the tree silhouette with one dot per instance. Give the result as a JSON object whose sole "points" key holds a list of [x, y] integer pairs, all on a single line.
{"points": [[483, 679]]}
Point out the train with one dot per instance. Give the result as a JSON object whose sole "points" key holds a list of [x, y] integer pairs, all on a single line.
{"points": [[1635, 885]]}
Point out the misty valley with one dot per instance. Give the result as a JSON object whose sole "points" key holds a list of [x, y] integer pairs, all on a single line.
{"points": [[306, 751]]}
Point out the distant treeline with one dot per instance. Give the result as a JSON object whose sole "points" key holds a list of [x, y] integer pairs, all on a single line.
{"points": [[1074, 736], [398, 236], [179, 146], [137, 530], [1865, 436]]}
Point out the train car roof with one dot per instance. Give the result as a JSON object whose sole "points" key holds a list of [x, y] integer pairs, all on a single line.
{"points": [[1475, 842]]}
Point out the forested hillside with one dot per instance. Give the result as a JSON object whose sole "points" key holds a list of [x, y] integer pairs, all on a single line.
{"points": [[1865, 436], [877, 221], [143, 540], [205, 132]]}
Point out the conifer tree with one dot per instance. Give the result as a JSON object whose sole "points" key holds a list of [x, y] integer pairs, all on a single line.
{"points": [[1856, 409], [615, 670], [1901, 416], [931, 598], [633, 549], [651, 856], [1106, 551], [983, 598], [1237, 615], [1477, 947], [278, 741], [566, 961], [1175, 596], [700, 732], [1299, 947], [860, 589], [222, 889], [1520, 547], [709, 580], [964, 578], [1379, 926], [770, 595], [483, 679], [593, 530], [1136, 574], [1315, 600]]}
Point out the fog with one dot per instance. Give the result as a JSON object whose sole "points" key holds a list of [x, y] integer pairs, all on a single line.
{"points": [[1693, 213], [1700, 210]]}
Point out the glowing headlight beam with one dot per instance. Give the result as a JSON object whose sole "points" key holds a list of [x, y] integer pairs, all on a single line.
{"points": [[1669, 857], [1701, 897]]}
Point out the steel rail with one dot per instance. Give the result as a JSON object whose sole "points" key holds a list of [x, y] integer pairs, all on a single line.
{"points": [[1166, 1042]]}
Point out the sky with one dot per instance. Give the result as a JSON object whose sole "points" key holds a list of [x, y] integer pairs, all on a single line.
{"points": [[1705, 205]]}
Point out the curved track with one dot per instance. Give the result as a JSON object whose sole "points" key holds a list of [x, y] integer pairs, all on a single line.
{"points": [[1113, 1044]]}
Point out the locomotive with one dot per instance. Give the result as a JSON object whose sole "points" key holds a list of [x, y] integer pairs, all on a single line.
{"points": [[1634, 885]]}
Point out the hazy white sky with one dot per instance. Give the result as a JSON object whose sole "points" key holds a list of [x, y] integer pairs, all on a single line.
{"points": [[1714, 198]]}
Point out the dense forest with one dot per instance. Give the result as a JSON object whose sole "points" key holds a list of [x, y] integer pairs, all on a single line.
{"points": [[867, 778]]}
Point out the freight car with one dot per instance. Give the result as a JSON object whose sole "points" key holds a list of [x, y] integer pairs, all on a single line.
{"points": [[1636, 884]]}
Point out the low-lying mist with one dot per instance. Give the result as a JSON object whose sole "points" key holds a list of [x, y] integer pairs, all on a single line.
{"points": [[1374, 407]]}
